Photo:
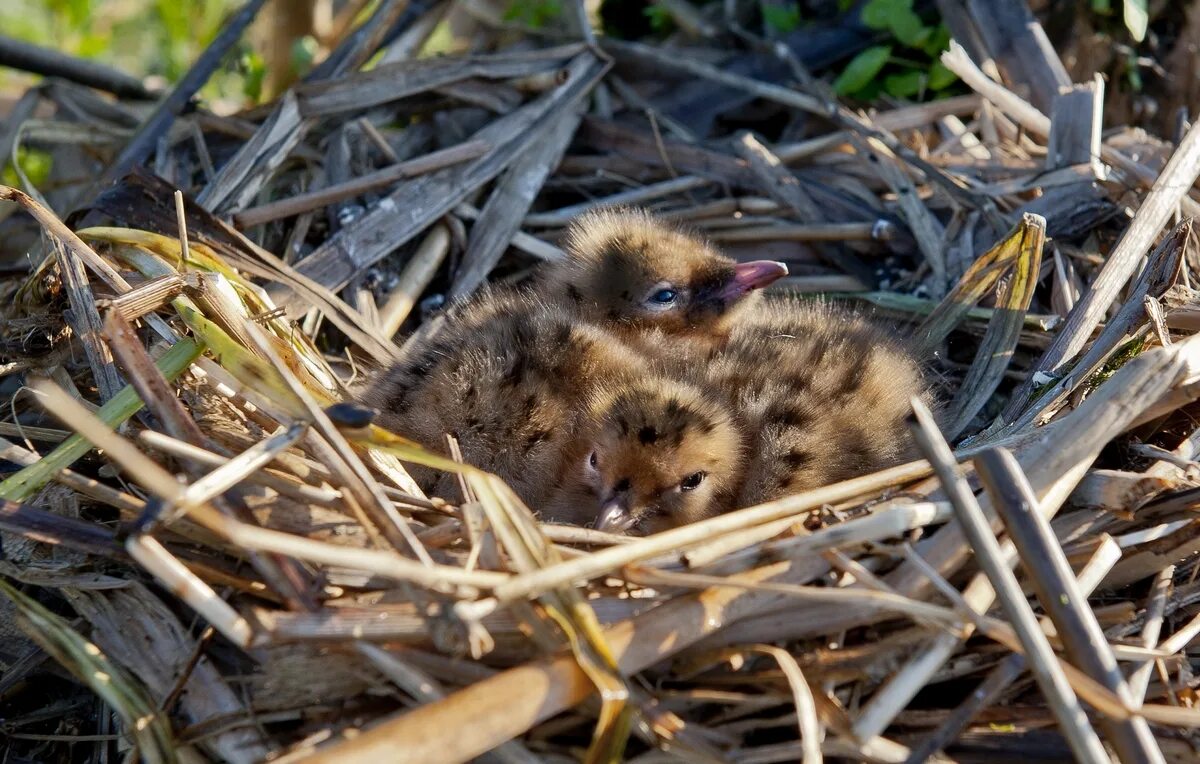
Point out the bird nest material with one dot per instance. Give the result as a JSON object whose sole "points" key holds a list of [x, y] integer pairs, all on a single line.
{"points": [[210, 556]]}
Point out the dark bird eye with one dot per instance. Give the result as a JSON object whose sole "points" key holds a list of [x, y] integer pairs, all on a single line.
{"points": [[664, 296], [692, 481]]}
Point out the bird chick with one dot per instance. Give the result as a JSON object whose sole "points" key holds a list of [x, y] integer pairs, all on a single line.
{"points": [[631, 272], [650, 455], [508, 377], [824, 391]]}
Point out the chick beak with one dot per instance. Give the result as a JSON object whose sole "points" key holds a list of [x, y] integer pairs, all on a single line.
{"points": [[755, 274], [614, 517]]}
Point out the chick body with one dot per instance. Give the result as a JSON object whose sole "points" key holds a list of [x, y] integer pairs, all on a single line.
{"points": [[508, 376], [512, 370], [649, 454], [824, 393]]}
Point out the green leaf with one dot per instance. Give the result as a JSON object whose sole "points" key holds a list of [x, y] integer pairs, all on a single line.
{"points": [[906, 84], [862, 69], [941, 77], [1137, 18], [878, 14], [1103, 7], [898, 17], [939, 40], [781, 18], [909, 30], [660, 18]]}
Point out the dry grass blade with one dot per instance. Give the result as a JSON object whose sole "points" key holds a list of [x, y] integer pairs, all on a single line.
{"points": [[122, 693], [1161, 272], [521, 538], [1010, 252], [1012, 300], [1062, 699], [1062, 599]]}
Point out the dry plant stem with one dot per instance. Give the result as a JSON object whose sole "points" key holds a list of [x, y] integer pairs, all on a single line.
{"points": [[184, 254], [1158, 206], [297, 490], [315, 200], [161, 483], [1062, 699], [417, 274], [1156, 277], [76, 246], [53, 63], [608, 560], [741, 549], [802, 696], [1181, 638], [1155, 608], [956, 60], [511, 702], [85, 322], [565, 215], [130, 505], [924, 226], [143, 299], [76, 416], [869, 231], [159, 398], [186, 585], [1061, 597], [354, 474], [239, 468], [501, 216], [144, 141], [425, 199], [1007, 672], [1055, 462], [148, 381], [530, 245], [673, 60]]}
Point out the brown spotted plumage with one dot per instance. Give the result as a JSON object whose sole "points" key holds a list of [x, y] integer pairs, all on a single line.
{"points": [[822, 391], [642, 384], [632, 272], [649, 455], [509, 379]]}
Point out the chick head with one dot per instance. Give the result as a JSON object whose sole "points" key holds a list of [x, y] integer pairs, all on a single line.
{"points": [[659, 454], [626, 267]]}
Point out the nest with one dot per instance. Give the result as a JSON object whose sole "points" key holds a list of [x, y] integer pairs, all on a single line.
{"points": [[210, 555]]}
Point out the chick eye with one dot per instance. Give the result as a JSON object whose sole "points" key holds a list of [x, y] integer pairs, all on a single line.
{"points": [[664, 296], [692, 481]]}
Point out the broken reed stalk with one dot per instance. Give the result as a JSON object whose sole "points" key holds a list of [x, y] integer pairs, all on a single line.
{"points": [[1061, 598], [1152, 630], [1058, 693], [164, 486], [1003, 675], [418, 272], [315, 200]]}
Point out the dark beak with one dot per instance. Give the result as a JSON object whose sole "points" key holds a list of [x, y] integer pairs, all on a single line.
{"points": [[755, 274], [614, 517]]}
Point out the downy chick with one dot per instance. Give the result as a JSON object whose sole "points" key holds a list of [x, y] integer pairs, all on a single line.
{"points": [[633, 273], [823, 392], [508, 378], [649, 455], [801, 395]]}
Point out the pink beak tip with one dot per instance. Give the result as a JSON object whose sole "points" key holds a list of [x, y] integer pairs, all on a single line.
{"points": [[756, 274]]}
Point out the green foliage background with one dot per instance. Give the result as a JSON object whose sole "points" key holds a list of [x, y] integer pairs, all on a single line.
{"points": [[142, 37]]}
